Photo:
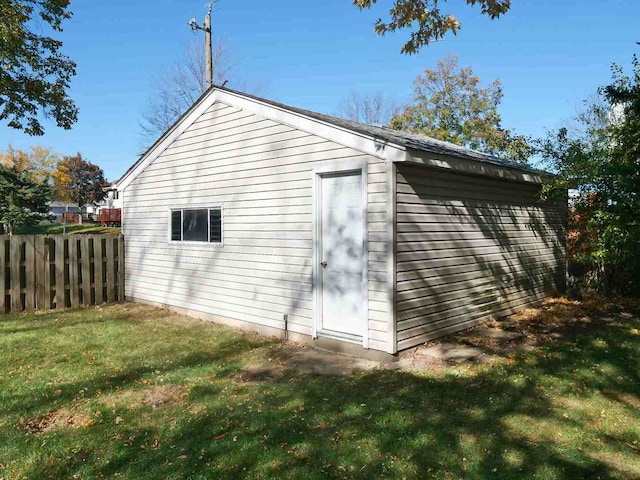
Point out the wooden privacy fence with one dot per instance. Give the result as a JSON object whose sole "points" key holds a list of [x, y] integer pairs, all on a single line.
{"points": [[56, 271]]}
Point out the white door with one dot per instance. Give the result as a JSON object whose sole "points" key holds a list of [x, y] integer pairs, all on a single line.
{"points": [[342, 253]]}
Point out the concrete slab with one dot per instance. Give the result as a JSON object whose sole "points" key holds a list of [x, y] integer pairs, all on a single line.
{"points": [[450, 352], [328, 363], [490, 333]]}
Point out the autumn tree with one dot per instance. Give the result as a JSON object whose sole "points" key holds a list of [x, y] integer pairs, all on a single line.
{"points": [[38, 161], [374, 109], [24, 200], [79, 181], [179, 86], [34, 74], [427, 21], [599, 158], [450, 104]]}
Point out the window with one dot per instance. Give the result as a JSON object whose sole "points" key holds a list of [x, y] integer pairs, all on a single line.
{"points": [[196, 225], [115, 195]]}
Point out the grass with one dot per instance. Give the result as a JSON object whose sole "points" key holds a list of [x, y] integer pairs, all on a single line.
{"points": [[57, 229], [129, 391]]}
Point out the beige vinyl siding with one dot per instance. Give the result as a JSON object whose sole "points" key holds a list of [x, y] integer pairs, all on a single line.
{"points": [[260, 171], [469, 247]]}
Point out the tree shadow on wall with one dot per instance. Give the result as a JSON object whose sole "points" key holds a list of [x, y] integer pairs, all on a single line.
{"points": [[471, 247]]}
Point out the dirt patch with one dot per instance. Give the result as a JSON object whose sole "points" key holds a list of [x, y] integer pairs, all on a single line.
{"points": [[562, 319], [258, 374], [58, 420], [413, 361], [162, 395], [556, 319], [154, 396], [122, 399]]}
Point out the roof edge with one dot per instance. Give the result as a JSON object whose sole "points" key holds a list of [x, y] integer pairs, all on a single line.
{"points": [[380, 142]]}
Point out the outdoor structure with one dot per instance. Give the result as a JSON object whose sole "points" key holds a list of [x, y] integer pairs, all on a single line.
{"points": [[57, 209], [273, 218], [108, 211]]}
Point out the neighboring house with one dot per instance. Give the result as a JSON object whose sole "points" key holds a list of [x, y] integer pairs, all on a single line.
{"points": [[58, 208], [258, 214], [112, 200]]}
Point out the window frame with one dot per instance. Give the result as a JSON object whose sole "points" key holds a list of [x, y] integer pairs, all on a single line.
{"points": [[208, 208]]}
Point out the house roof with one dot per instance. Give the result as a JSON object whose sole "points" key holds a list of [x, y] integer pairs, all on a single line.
{"points": [[57, 204], [404, 139], [388, 135]]}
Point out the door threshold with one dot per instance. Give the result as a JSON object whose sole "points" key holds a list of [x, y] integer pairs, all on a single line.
{"points": [[345, 337]]}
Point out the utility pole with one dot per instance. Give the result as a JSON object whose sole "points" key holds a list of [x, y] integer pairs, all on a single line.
{"points": [[206, 27], [207, 46]]}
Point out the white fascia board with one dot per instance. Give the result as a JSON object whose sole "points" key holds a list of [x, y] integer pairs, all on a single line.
{"points": [[363, 143]]}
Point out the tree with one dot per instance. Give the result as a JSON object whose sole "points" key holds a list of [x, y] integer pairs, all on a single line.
{"points": [[600, 160], [375, 109], [79, 181], [38, 161], [428, 21], [177, 88], [449, 104], [34, 74], [24, 201]]}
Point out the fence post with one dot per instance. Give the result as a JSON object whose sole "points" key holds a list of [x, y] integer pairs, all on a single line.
{"points": [[120, 268]]}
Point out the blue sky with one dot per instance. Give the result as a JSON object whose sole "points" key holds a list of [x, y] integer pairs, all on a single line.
{"points": [[549, 55]]}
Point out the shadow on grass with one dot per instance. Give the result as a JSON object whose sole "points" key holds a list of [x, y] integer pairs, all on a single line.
{"points": [[507, 421]]}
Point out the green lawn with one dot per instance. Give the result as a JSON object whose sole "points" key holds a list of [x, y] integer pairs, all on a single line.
{"points": [[57, 228], [130, 391]]}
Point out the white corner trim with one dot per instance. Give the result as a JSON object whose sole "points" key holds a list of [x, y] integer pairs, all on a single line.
{"points": [[392, 277], [365, 255], [315, 254]]}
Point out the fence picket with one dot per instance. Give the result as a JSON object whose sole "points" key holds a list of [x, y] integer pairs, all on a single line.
{"points": [[111, 271], [86, 270], [46, 280], [74, 285], [98, 270], [60, 277], [3, 275], [29, 273], [15, 267], [40, 242]]}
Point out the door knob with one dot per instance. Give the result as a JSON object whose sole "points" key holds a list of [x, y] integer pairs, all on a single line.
{"points": [[324, 264]]}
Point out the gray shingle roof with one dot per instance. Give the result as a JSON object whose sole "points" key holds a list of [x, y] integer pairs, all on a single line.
{"points": [[403, 139]]}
